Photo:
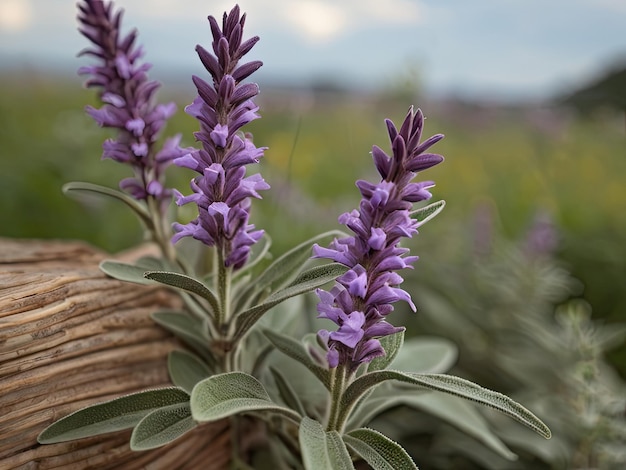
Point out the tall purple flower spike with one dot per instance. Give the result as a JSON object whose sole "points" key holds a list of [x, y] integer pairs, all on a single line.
{"points": [[362, 298], [221, 191], [129, 104]]}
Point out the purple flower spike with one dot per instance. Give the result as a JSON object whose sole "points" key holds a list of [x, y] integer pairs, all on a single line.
{"points": [[223, 107], [128, 102], [363, 296]]}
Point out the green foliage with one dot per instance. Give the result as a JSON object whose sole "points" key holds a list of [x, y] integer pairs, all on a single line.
{"points": [[223, 395], [162, 426], [322, 449], [186, 370], [378, 450], [114, 415]]}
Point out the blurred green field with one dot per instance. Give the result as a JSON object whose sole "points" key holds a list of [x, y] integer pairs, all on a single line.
{"points": [[518, 160]]}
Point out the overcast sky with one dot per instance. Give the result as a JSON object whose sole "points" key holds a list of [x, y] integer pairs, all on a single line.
{"points": [[508, 48]]}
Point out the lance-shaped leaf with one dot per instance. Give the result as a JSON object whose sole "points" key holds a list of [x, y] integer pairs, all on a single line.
{"points": [[287, 393], [186, 283], [188, 328], [321, 449], [380, 452], [232, 393], [305, 282], [286, 267], [125, 272], [76, 188], [114, 415], [186, 370], [295, 350], [429, 212], [162, 426], [448, 384]]}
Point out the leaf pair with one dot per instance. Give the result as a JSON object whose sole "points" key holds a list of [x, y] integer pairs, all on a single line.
{"points": [[327, 449], [158, 417]]}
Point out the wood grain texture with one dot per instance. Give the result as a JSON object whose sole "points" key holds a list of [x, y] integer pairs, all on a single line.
{"points": [[71, 337]]}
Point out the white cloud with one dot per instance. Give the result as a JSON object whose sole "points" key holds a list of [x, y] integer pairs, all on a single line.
{"points": [[317, 21], [15, 15]]}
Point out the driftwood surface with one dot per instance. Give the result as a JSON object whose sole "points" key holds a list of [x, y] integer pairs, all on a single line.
{"points": [[71, 337]]}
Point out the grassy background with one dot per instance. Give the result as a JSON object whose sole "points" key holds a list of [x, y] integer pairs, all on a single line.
{"points": [[518, 160]]}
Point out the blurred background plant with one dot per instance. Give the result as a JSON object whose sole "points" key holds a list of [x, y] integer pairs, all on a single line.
{"points": [[507, 306], [482, 281]]}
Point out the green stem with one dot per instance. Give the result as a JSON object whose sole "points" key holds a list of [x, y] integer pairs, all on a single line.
{"points": [[337, 387]]}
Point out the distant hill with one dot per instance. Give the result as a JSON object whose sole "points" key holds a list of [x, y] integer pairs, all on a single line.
{"points": [[606, 92]]}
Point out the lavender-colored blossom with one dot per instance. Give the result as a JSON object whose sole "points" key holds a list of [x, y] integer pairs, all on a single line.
{"points": [[362, 298], [222, 192], [128, 102]]}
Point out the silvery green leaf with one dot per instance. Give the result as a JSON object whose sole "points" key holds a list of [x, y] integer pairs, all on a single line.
{"points": [[75, 188], [186, 283], [186, 369], [447, 384], [232, 393], [426, 354], [321, 449], [305, 282], [429, 212], [380, 452], [295, 350], [188, 328], [285, 268], [287, 392], [162, 426], [124, 272], [392, 344], [114, 415]]}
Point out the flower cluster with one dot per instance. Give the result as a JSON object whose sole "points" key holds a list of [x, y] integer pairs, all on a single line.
{"points": [[221, 191], [363, 296], [129, 104]]}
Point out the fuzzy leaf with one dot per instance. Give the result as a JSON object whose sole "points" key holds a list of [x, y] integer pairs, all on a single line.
{"points": [[125, 272], [286, 267], [448, 384], [380, 452], [186, 370], [305, 282], [232, 393], [287, 392], [429, 212], [186, 327], [114, 415], [392, 344], [295, 350], [162, 426], [75, 188], [186, 283], [321, 449]]}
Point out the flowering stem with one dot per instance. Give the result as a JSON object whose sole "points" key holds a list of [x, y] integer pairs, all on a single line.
{"points": [[337, 387], [160, 232]]}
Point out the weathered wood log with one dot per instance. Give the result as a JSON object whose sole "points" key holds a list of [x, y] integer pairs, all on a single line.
{"points": [[71, 337]]}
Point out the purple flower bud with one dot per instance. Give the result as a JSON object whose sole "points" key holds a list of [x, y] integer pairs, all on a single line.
{"points": [[372, 253], [222, 107], [128, 101]]}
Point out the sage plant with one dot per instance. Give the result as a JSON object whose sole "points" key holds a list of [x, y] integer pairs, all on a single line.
{"points": [[227, 372]]}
